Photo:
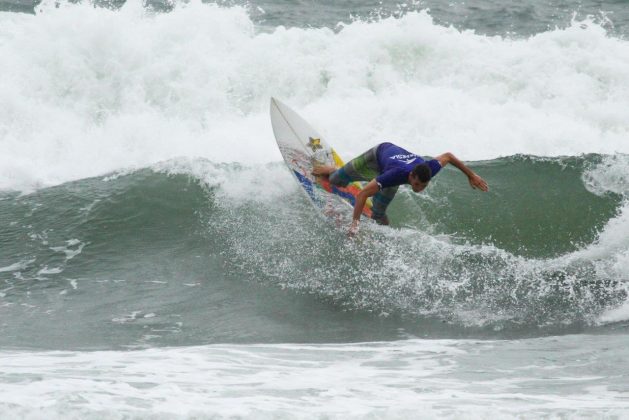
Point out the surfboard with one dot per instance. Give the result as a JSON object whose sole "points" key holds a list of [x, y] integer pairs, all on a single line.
{"points": [[303, 148]]}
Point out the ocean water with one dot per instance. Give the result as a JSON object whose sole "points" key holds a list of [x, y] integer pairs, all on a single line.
{"points": [[157, 259]]}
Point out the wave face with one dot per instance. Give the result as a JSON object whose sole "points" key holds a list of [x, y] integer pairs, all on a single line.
{"points": [[144, 194], [192, 252]]}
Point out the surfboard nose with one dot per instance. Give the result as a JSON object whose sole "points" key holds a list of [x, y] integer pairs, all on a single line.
{"points": [[273, 103], [276, 102]]}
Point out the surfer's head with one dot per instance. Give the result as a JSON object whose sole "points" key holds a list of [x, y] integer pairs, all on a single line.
{"points": [[420, 177]]}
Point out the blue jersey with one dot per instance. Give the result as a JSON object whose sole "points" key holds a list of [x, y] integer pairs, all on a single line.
{"points": [[396, 163]]}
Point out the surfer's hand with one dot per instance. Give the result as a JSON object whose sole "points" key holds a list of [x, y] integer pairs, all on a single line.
{"points": [[478, 182], [353, 229]]}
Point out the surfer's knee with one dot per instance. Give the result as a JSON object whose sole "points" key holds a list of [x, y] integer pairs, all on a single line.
{"points": [[339, 178]]}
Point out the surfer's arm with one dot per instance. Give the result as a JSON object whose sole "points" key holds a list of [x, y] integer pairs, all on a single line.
{"points": [[361, 198], [475, 180]]}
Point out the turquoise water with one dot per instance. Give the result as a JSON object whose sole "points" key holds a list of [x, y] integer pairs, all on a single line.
{"points": [[157, 260]]}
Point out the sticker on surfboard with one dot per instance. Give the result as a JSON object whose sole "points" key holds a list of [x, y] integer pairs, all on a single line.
{"points": [[302, 149]]}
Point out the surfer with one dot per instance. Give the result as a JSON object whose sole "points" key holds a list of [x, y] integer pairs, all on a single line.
{"points": [[386, 167]]}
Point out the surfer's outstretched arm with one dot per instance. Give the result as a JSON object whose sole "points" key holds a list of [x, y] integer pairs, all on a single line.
{"points": [[369, 190], [475, 180]]}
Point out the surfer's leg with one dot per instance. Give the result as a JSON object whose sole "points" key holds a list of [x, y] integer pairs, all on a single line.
{"points": [[362, 168], [381, 201]]}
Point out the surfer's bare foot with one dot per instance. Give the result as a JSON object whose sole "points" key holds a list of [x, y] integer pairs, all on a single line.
{"points": [[323, 170]]}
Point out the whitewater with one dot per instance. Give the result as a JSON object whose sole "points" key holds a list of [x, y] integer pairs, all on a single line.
{"points": [[158, 261], [89, 90]]}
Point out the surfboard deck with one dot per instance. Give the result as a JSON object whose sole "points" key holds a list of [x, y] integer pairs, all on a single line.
{"points": [[303, 149]]}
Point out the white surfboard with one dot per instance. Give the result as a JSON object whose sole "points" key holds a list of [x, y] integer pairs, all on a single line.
{"points": [[303, 148]]}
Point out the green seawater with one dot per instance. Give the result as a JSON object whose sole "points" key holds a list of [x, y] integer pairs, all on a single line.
{"points": [[537, 207], [148, 258]]}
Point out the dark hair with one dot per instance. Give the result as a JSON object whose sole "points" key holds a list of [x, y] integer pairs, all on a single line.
{"points": [[422, 172]]}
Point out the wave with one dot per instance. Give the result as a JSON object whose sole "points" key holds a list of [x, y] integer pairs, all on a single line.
{"points": [[154, 254], [90, 90], [470, 279]]}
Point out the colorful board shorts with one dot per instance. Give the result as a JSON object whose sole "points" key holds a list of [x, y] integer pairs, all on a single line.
{"points": [[365, 168]]}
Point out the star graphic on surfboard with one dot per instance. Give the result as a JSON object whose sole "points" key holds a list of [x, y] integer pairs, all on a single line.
{"points": [[314, 144]]}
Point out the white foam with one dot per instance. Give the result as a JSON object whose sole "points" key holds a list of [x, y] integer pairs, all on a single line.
{"points": [[439, 378], [46, 270], [611, 175], [127, 317], [21, 265], [612, 243], [87, 90], [618, 314], [238, 183], [68, 250]]}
